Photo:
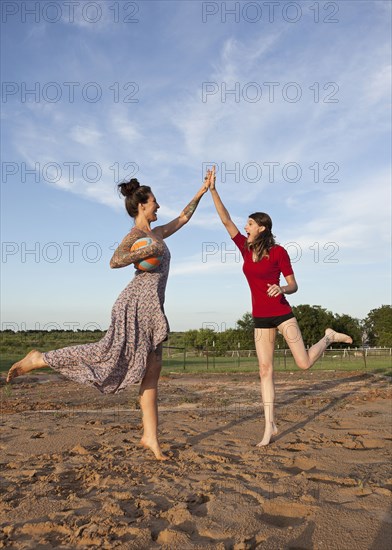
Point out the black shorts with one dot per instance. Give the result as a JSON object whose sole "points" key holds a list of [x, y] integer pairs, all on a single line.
{"points": [[272, 322]]}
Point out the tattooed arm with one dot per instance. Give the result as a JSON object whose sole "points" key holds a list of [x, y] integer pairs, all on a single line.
{"points": [[123, 255], [168, 229]]}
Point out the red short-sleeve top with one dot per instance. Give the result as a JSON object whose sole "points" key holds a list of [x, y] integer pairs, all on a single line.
{"points": [[260, 274]]}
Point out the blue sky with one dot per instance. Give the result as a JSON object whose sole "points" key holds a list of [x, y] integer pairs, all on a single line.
{"points": [[291, 105]]}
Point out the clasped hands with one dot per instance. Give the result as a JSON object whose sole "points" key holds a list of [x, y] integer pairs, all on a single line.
{"points": [[209, 180]]}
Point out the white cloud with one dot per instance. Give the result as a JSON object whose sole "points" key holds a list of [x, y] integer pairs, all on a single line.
{"points": [[120, 123], [357, 219], [85, 136], [214, 259]]}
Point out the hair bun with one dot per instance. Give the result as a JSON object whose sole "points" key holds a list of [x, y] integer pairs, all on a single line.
{"points": [[129, 187]]}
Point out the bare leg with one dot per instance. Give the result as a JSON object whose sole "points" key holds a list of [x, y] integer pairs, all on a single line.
{"points": [[265, 344], [149, 404], [303, 358], [32, 361]]}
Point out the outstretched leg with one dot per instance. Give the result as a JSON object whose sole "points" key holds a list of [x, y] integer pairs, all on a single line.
{"points": [[32, 361], [265, 344], [149, 403], [307, 358]]}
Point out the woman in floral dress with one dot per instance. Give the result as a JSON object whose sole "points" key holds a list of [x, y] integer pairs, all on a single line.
{"points": [[131, 350]]}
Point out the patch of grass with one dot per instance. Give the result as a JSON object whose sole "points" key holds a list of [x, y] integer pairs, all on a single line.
{"points": [[379, 365], [6, 391]]}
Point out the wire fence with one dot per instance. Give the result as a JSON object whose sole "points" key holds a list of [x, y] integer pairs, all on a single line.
{"points": [[183, 359]]}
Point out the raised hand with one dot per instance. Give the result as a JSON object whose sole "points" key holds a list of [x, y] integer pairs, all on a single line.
{"points": [[210, 178]]}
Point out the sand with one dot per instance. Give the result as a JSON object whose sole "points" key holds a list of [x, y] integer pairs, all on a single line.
{"points": [[74, 476]]}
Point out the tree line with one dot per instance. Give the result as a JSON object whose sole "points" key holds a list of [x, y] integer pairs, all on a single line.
{"points": [[373, 331]]}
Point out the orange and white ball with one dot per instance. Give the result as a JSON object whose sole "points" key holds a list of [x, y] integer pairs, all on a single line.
{"points": [[148, 264]]}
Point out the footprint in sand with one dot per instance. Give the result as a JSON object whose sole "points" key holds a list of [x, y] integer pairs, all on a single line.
{"points": [[196, 504], [38, 435], [79, 450], [281, 521], [171, 538], [296, 447], [358, 432], [285, 514], [301, 464], [178, 514], [371, 443]]}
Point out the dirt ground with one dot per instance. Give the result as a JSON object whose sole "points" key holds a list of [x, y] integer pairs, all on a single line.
{"points": [[74, 475]]}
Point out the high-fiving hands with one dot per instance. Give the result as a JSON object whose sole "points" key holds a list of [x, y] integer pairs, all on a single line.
{"points": [[209, 180]]}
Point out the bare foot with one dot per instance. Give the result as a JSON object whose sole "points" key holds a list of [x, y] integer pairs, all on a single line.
{"points": [[154, 447], [270, 430], [33, 360], [337, 337]]}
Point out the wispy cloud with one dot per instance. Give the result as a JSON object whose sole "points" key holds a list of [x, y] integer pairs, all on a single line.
{"points": [[211, 260], [85, 136]]}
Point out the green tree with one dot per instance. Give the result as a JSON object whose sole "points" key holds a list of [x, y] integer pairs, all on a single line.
{"points": [[190, 338], [246, 322], [225, 341], [199, 339], [347, 324], [378, 326], [205, 337], [234, 339], [245, 332]]}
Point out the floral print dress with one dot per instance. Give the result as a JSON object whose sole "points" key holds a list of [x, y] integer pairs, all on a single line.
{"points": [[138, 326]]}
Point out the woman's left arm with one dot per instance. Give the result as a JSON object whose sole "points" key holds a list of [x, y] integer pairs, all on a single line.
{"points": [[169, 228], [290, 288]]}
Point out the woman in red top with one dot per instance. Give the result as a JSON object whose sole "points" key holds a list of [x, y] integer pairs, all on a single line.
{"points": [[264, 261]]}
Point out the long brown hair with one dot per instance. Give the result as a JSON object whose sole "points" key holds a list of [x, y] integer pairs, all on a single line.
{"points": [[265, 240]]}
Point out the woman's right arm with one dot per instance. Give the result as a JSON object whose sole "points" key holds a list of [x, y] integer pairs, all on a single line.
{"points": [[123, 255], [224, 215]]}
